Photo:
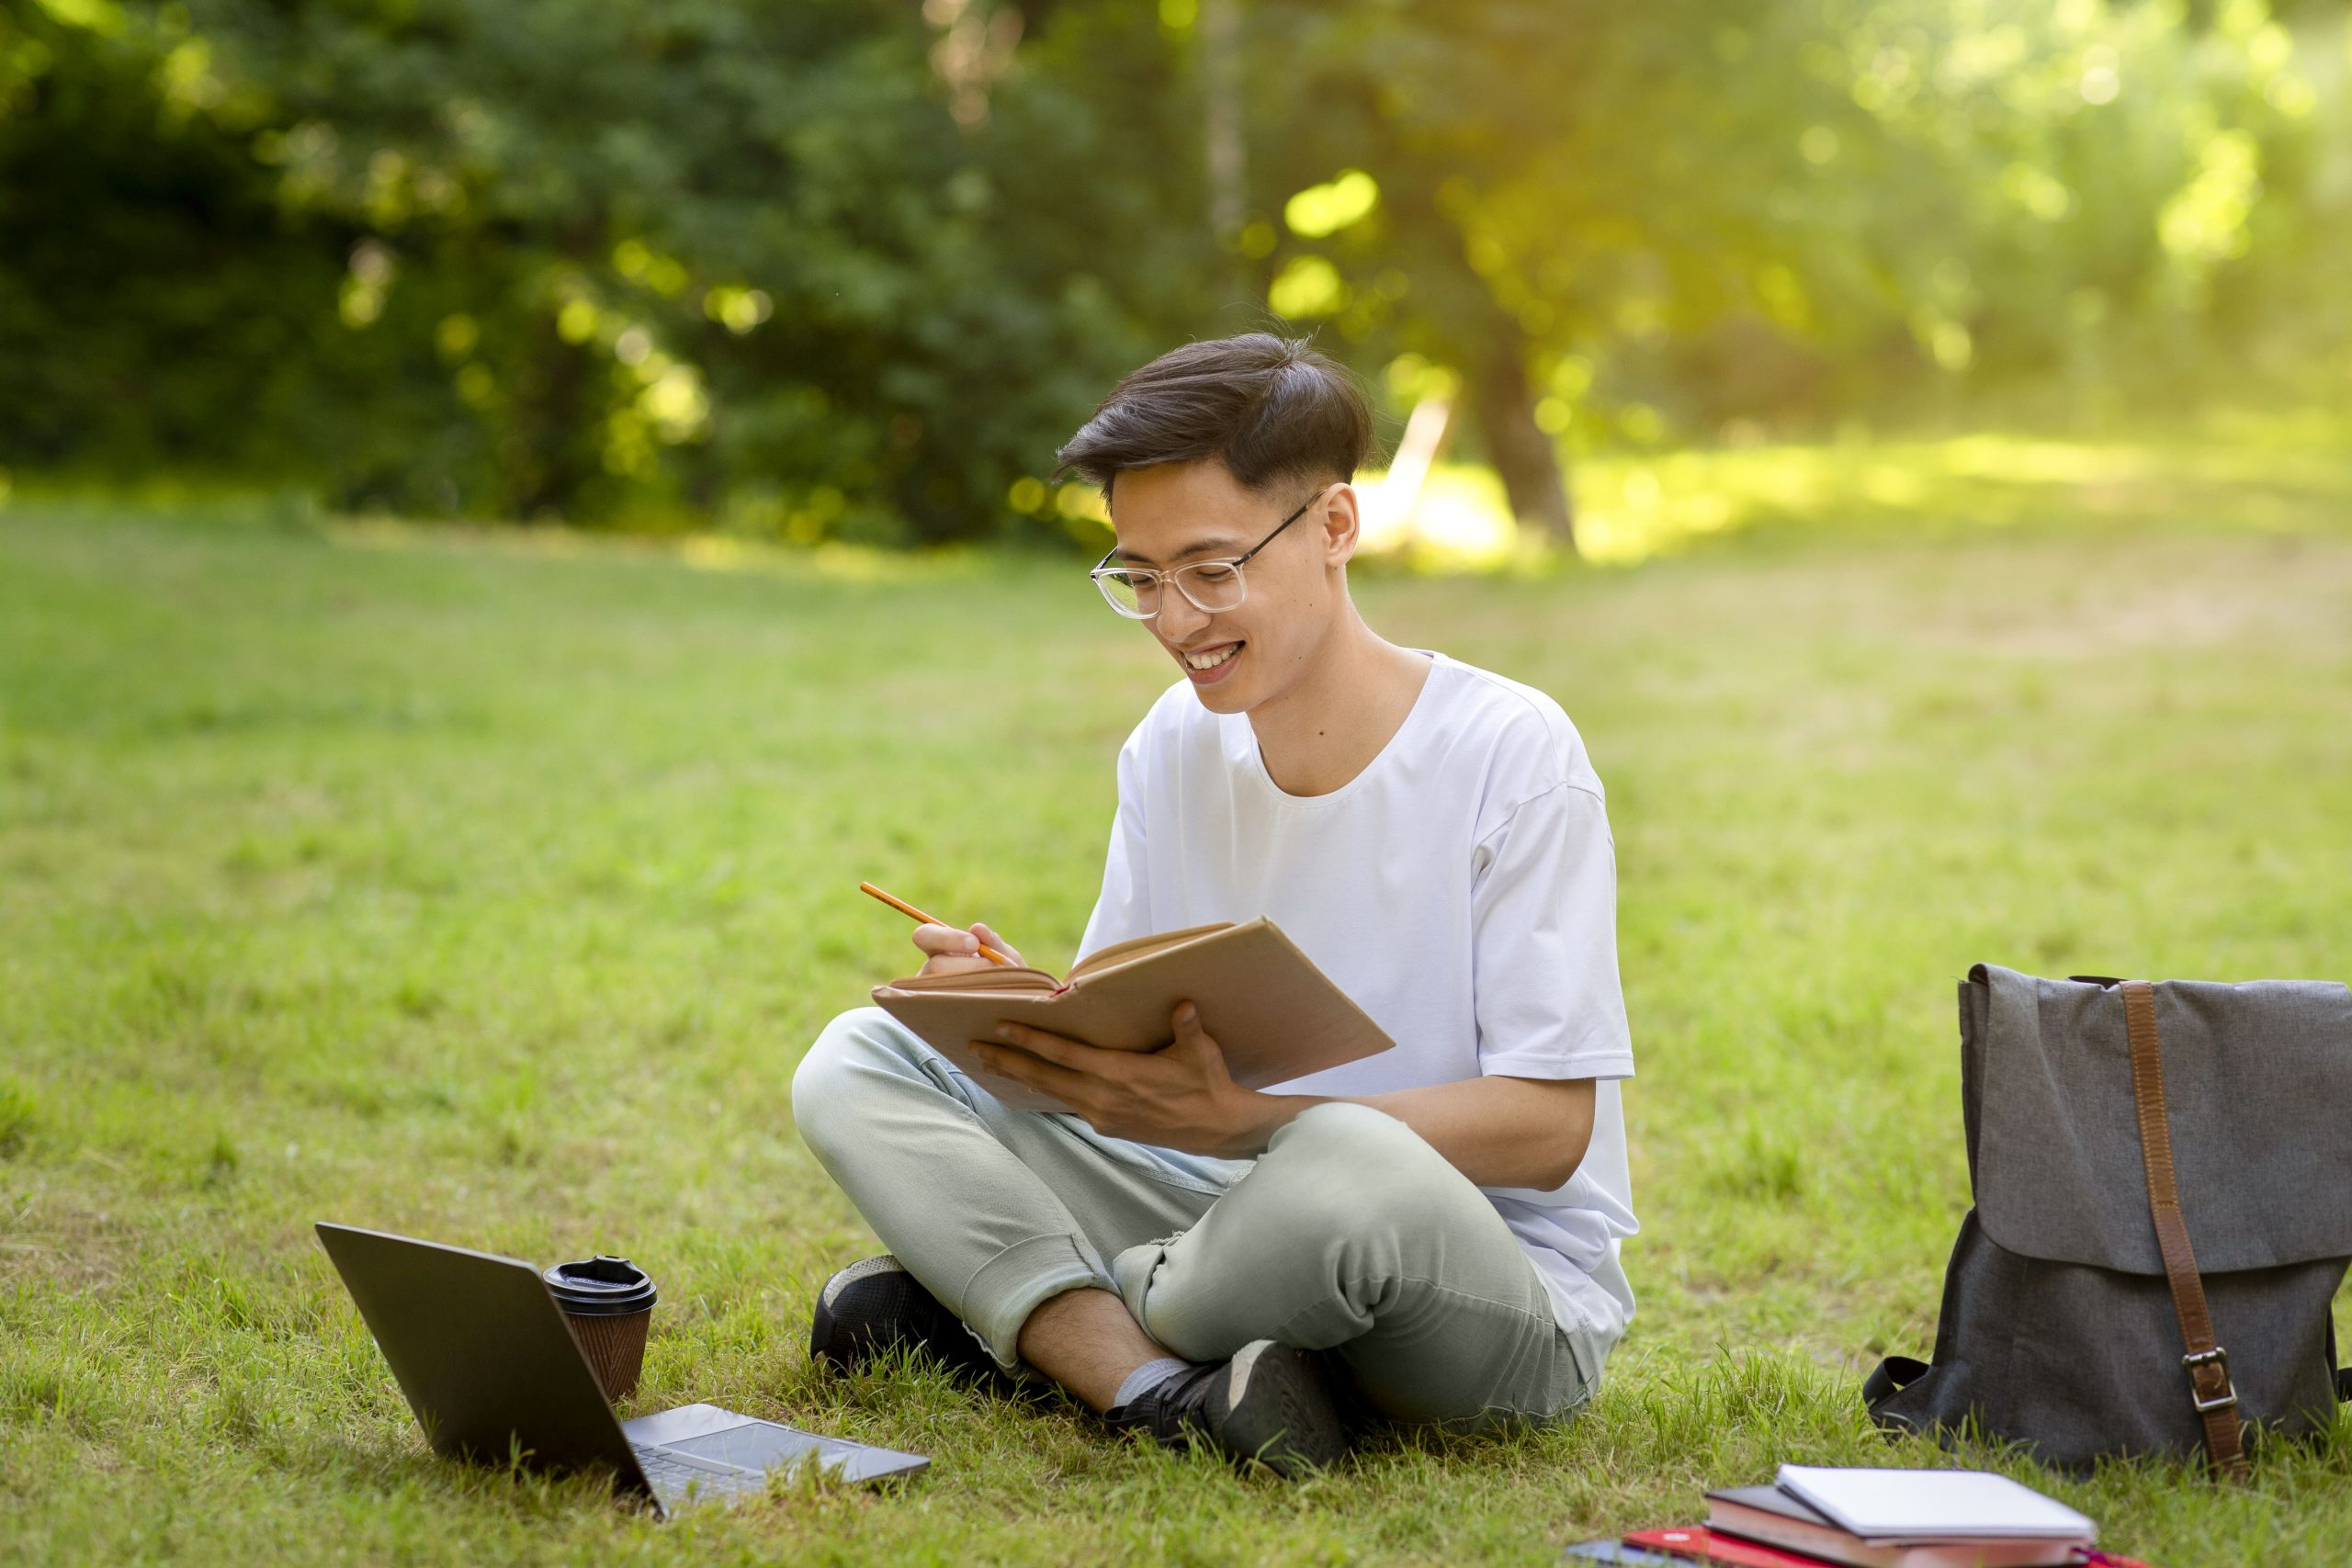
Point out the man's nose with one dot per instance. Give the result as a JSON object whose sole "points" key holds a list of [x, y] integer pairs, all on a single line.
{"points": [[1179, 616]]}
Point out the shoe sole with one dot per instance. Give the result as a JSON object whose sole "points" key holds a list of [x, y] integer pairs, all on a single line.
{"points": [[1277, 1412]]}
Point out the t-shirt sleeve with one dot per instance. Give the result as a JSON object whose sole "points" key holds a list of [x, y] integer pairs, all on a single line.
{"points": [[1544, 943], [1123, 910]]}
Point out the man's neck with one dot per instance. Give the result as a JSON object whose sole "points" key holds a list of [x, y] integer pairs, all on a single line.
{"points": [[1338, 716]]}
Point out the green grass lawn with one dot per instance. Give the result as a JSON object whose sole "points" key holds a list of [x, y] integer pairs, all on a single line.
{"points": [[490, 893]]}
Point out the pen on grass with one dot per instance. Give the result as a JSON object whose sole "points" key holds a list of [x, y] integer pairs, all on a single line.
{"points": [[990, 954]]}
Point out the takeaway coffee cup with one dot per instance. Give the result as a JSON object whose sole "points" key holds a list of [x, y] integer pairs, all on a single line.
{"points": [[608, 1302]]}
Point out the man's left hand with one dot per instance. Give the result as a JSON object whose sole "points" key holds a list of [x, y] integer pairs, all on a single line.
{"points": [[1179, 1097]]}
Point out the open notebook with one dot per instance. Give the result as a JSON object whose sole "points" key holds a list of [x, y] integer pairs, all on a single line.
{"points": [[1273, 1013]]}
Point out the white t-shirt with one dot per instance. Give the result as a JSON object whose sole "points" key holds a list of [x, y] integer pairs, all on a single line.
{"points": [[1462, 889]]}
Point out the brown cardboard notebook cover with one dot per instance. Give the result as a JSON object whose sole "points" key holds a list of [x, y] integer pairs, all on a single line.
{"points": [[1275, 1014]]}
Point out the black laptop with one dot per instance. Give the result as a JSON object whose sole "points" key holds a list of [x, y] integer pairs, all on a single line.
{"points": [[483, 1352]]}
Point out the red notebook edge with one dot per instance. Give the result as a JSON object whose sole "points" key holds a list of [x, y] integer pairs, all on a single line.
{"points": [[1698, 1542], [1702, 1545]]}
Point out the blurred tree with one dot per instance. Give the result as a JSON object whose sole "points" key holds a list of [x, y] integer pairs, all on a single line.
{"points": [[1549, 176], [854, 268], [145, 269], [595, 258], [733, 257], [1750, 211]]}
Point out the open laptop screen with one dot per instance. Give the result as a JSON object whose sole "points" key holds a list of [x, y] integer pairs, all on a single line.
{"points": [[481, 1351]]}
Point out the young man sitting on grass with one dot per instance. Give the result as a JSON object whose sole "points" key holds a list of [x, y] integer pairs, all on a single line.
{"points": [[1428, 1235]]}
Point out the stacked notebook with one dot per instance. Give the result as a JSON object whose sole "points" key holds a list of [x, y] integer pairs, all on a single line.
{"points": [[1871, 1518]]}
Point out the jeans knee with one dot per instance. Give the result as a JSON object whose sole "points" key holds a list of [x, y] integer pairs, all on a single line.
{"points": [[1363, 1142], [1359, 1168], [827, 1083]]}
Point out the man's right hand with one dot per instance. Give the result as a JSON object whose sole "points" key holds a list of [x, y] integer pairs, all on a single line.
{"points": [[947, 950]]}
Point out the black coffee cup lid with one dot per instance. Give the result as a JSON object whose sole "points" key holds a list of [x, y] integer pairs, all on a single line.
{"points": [[602, 1286]]}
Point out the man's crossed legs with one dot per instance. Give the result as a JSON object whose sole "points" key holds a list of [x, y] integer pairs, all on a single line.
{"points": [[1350, 1235]]}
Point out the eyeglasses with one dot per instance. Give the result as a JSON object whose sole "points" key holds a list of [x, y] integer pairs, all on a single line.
{"points": [[1209, 585]]}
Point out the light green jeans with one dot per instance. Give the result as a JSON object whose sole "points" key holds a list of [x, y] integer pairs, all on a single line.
{"points": [[1348, 1235]]}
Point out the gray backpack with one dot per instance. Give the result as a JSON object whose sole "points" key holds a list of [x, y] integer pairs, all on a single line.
{"points": [[2163, 1177]]}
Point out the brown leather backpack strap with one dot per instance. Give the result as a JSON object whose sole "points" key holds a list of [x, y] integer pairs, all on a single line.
{"points": [[2209, 1389]]}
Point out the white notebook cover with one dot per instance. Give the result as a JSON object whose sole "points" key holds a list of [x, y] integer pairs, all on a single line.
{"points": [[1933, 1505]]}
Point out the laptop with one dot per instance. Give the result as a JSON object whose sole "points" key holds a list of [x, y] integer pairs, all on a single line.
{"points": [[483, 1352]]}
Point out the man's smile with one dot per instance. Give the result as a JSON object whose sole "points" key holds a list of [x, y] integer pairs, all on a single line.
{"points": [[1210, 663]]}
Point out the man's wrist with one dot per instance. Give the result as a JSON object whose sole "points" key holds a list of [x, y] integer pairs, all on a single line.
{"points": [[1260, 1116]]}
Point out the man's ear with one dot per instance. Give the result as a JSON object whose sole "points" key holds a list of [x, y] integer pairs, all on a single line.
{"points": [[1342, 523]]}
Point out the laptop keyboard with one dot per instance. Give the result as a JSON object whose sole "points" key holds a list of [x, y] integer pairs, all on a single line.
{"points": [[675, 1477]]}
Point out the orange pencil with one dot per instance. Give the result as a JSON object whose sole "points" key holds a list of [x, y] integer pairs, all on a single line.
{"points": [[990, 954]]}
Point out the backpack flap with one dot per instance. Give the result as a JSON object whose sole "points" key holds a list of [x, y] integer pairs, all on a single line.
{"points": [[2257, 1087]]}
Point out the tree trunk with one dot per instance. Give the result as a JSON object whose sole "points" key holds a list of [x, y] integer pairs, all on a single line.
{"points": [[1523, 453], [1224, 149], [550, 425]]}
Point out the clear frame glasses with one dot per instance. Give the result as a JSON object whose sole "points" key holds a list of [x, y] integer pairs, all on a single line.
{"points": [[1208, 585]]}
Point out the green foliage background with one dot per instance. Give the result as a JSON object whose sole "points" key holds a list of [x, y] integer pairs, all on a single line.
{"points": [[854, 267]]}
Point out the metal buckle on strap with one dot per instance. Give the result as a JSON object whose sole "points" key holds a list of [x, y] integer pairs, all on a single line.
{"points": [[2218, 1358]]}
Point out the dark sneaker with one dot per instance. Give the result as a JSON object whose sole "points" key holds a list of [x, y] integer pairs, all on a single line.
{"points": [[1268, 1403], [875, 1306]]}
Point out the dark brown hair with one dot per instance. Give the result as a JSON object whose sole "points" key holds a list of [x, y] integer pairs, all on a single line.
{"points": [[1269, 408]]}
